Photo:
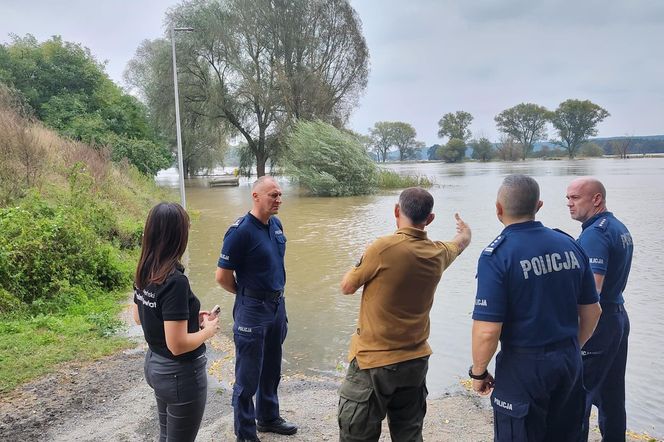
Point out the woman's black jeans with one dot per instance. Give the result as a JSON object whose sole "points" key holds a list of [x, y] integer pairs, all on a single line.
{"points": [[180, 388]]}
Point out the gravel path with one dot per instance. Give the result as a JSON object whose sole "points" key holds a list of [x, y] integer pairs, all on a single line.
{"points": [[108, 400]]}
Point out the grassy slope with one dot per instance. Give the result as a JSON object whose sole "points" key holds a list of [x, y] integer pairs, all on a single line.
{"points": [[34, 340]]}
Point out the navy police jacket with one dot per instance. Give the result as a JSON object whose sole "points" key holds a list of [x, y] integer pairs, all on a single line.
{"points": [[531, 278], [609, 246], [255, 251]]}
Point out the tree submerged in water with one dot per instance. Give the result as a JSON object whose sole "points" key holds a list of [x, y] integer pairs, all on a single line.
{"points": [[329, 162]]}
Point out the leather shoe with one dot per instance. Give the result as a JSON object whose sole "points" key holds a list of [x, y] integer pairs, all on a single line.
{"points": [[253, 439], [279, 426]]}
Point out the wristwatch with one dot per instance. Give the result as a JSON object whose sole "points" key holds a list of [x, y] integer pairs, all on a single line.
{"points": [[478, 377]]}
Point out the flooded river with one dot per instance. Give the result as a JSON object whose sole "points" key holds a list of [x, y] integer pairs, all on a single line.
{"points": [[326, 236]]}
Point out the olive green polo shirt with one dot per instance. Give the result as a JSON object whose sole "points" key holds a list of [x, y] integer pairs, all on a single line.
{"points": [[400, 273]]}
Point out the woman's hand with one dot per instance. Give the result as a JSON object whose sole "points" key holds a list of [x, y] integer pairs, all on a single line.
{"points": [[210, 325], [202, 315]]}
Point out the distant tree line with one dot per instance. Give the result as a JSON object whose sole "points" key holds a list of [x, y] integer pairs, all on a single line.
{"points": [[522, 127]]}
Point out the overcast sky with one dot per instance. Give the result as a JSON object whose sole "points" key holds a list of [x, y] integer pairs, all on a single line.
{"points": [[430, 57]]}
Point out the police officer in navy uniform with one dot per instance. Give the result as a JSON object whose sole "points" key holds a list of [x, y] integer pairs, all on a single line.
{"points": [[609, 246], [251, 265], [536, 295]]}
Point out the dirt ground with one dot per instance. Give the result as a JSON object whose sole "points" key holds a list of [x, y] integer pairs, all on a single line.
{"points": [[108, 400]]}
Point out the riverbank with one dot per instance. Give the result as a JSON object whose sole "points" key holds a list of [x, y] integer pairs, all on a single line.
{"points": [[109, 400]]}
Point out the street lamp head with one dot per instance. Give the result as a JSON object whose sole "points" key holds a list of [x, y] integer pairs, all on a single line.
{"points": [[183, 29]]}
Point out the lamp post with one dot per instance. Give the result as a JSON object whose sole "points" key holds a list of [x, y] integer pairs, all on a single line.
{"points": [[183, 199]]}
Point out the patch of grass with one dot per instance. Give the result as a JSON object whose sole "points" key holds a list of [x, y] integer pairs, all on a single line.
{"points": [[388, 179], [33, 346]]}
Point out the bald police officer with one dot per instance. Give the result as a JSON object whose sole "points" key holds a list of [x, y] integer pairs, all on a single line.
{"points": [[609, 246], [251, 265], [536, 295]]}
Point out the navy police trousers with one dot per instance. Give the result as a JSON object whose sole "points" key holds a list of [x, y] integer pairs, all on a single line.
{"points": [[538, 395], [604, 362], [259, 331]]}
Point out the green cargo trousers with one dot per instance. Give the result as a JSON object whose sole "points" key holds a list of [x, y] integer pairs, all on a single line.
{"points": [[398, 391]]}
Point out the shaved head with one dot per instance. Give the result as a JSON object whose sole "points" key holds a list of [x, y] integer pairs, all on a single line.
{"points": [[261, 182], [590, 185], [519, 196], [266, 195], [586, 197]]}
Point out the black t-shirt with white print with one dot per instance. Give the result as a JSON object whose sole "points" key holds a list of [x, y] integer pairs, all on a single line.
{"points": [[171, 301]]}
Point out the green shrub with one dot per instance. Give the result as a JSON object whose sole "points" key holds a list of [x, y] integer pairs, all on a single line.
{"points": [[8, 302], [389, 179], [104, 324], [54, 257], [129, 233], [591, 150], [453, 152], [329, 162]]}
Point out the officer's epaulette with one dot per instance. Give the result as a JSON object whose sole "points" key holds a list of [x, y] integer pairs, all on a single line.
{"points": [[602, 224], [488, 250], [237, 222], [564, 233]]}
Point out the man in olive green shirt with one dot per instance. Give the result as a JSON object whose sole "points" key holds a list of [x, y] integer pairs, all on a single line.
{"points": [[389, 353]]}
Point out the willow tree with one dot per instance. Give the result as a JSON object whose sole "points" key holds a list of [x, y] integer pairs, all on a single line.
{"points": [[150, 74], [327, 161], [259, 65]]}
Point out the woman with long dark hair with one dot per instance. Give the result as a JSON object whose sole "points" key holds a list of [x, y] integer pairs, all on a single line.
{"points": [[173, 325]]}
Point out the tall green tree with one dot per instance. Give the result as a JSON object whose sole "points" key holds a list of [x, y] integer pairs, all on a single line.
{"points": [[482, 149], [576, 121], [403, 137], [455, 125], [150, 74], [525, 123], [382, 138], [258, 65], [70, 92]]}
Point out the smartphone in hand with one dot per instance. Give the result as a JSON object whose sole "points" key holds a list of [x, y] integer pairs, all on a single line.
{"points": [[214, 312]]}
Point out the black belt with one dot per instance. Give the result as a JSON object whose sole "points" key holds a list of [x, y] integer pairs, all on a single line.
{"points": [[565, 343], [264, 295], [612, 307]]}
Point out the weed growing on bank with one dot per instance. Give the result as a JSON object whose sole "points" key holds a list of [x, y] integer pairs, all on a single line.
{"points": [[388, 179], [70, 225]]}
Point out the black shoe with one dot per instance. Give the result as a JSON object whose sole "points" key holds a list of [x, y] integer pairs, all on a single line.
{"points": [[253, 439], [279, 426]]}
